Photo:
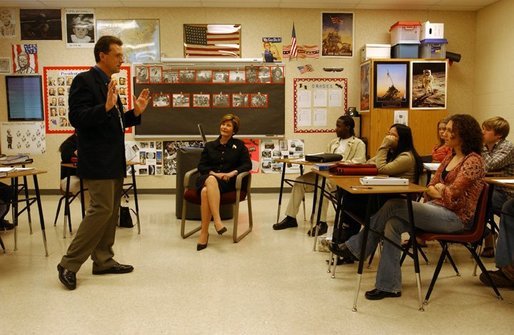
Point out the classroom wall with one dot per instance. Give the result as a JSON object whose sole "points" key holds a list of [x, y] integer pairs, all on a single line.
{"points": [[371, 26], [493, 87]]}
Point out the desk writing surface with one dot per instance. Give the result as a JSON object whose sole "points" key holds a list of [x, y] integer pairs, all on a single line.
{"points": [[23, 172], [507, 182], [353, 185]]}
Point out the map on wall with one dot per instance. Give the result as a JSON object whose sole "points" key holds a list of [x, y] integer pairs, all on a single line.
{"points": [[140, 38]]}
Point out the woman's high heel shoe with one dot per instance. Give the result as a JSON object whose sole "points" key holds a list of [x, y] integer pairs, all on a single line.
{"points": [[221, 231], [200, 246]]}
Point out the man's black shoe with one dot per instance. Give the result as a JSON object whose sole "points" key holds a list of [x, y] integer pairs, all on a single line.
{"points": [[116, 269], [377, 294], [322, 229], [67, 277], [288, 222], [342, 250], [6, 225]]}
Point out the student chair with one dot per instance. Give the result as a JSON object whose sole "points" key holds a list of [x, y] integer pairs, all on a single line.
{"points": [[67, 212], [471, 239], [242, 193]]}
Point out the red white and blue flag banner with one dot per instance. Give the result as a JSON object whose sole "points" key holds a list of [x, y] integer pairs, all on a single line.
{"points": [[294, 48], [24, 58], [212, 40], [303, 51]]}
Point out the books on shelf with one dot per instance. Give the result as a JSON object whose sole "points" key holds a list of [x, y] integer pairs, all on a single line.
{"points": [[379, 180]]}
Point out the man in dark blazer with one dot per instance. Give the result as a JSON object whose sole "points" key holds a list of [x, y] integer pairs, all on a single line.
{"points": [[96, 112]]}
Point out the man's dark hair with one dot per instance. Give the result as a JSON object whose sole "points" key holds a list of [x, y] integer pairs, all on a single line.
{"points": [[104, 45]]}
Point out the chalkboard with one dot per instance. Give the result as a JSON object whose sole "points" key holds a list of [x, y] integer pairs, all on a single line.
{"points": [[183, 96]]}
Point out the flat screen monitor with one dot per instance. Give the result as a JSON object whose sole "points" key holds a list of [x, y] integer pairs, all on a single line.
{"points": [[24, 98]]}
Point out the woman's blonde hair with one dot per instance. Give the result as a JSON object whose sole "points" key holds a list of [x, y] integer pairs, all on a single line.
{"points": [[234, 119]]}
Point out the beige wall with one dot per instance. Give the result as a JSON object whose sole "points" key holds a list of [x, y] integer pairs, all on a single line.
{"points": [[494, 70], [370, 27]]}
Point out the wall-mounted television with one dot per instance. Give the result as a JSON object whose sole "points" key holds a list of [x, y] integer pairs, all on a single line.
{"points": [[24, 98]]}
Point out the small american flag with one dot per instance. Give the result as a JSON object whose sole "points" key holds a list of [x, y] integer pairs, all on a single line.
{"points": [[30, 52], [212, 40], [305, 68], [294, 51]]}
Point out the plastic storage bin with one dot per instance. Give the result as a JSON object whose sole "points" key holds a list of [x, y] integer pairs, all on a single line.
{"points": [[405, 32], [433, 48], [431, 30], [379, 51], [405, 51]]}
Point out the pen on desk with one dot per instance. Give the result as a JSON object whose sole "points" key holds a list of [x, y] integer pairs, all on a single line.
{"points": [[356, 187]]}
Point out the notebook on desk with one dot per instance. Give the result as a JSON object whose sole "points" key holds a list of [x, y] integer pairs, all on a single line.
{"points": [[378, 180]]}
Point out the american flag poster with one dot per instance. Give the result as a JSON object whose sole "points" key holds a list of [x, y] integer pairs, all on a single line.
{"points": [[24, 58], [212, 40]]}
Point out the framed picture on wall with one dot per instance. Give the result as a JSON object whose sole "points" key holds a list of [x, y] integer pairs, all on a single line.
{"points": [[429, 82], [365, 87], [391, 84], [221, 100], [201, 100], [337, 34], [155, 74], [141, 38]]}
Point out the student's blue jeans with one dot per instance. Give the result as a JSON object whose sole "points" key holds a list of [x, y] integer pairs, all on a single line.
{"points": [[392, 220], [505, 244]]}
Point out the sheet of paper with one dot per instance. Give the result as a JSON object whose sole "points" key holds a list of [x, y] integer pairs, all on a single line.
{"points": [[304, 98], [335, 98], [320, 117], [320, 98], [303, 117]]}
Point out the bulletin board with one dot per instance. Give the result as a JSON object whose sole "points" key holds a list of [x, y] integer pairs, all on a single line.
{"points": [[318, 103], [185, 95], [56, 89]]}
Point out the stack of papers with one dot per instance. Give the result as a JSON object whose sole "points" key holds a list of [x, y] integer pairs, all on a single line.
{"points": [[5, 170], [377, 180]]}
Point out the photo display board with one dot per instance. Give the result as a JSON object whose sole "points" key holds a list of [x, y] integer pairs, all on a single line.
{"points": [[184, 96], [318, 103]]}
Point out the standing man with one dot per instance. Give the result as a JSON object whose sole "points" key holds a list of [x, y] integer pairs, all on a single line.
{"points": [[97, 115]]}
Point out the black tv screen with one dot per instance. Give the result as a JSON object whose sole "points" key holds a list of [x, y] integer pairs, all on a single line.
{"points": [[24, 98]]}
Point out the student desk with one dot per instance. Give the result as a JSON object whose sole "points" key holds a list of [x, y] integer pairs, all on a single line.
{"points": [[127, 187], [23, 187], [24, 173], [352, 185]]}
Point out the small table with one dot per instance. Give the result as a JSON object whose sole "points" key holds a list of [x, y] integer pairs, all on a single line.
{"points": [[23, 187], [14, 175], [352, 185]]}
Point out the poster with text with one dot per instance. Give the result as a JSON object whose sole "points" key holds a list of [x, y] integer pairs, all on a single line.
{"points": [[23, 138]]}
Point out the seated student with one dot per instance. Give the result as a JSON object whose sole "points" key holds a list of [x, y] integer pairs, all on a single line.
{"points": [[440, 150], [452, 199], [504, 276], [498, 154], [346, 144], [5, 203], [396, 157], [221, 161]]}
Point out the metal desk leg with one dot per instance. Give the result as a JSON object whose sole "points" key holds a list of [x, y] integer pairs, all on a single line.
{"points": [[27, 200], [314, 198], [323, 181], [415, 250], [135, 198], [364, 242], [282, 177], [40, 210], [67, 218], [14, 184]]}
